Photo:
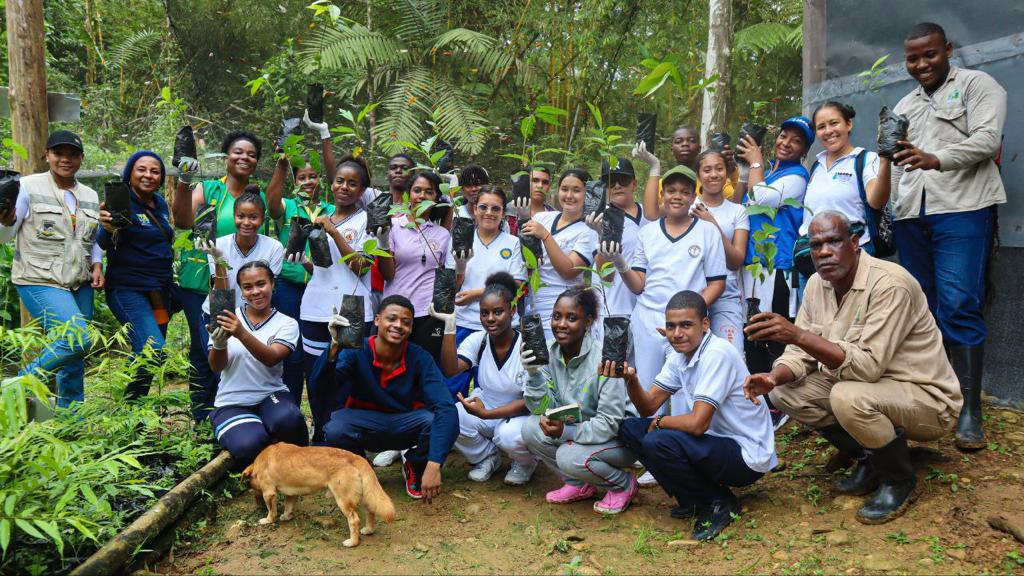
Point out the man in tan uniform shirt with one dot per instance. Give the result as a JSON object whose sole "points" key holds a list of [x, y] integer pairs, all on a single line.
{"points": [[864, 365]]}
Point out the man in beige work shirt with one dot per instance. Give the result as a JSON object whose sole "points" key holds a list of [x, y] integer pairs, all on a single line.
{"points": [[945, 190], [864, 365]]}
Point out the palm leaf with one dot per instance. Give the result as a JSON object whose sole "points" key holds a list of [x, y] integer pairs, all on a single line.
{"points": [[133, 48], [404, 106], [768, 37], [458, 120], [419, 20], [350, 45]]}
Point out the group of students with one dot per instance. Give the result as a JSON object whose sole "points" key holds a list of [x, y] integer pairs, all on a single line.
{"points": [[424, 381]]}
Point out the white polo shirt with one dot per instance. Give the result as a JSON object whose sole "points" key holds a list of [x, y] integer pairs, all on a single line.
{"points": [[501, 255], [686, 262], [246, 381], [835, 188], [715, 375], [730, 217], [499, 380], [266, 248], [327, 285], [621, 299], [578, 238]]}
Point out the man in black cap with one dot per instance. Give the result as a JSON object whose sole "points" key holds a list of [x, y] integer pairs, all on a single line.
{"points": [[57, 263]]}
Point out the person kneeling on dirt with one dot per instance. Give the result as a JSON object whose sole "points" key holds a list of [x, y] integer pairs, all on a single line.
{"points": [[864, 365], [717, 439], [391, 396]]}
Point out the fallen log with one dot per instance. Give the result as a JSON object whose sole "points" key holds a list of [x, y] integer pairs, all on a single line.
{"points": [[1003, 524], [111, 558]]}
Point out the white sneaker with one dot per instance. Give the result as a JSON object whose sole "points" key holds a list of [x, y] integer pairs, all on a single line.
{"points": [[646, 480], [520, 473], [385, 458], [482, 471]]}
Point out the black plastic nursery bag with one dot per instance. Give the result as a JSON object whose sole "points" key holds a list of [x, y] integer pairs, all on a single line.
{"points": [[10, 185], [315, 103], [352, 309], [533, 338], [319, 249], [616, 341], [117, 198], [289, 126], [891, 129], [594, 200], [463, 231], [184, 145], [444, 290], [297, 236], [719, 140], [612, 224], [645, 129], [377, 213], [221, 300]]}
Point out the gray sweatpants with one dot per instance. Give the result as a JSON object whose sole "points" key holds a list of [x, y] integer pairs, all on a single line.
{"points": [[602, 465]]}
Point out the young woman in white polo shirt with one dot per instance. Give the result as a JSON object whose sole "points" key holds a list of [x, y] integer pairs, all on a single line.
{"points": [[346, 226], [680, 252], [494, 250], [568, 244], [492, 416], [727, 317], [253, 407]]}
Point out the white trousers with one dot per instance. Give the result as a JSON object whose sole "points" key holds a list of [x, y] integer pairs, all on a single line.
{"points": [[479, 438]]}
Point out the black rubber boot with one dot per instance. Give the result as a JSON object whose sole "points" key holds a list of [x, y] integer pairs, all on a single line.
{"points": [[863, 479], [967, 363], [711, 520], [897, 482]]}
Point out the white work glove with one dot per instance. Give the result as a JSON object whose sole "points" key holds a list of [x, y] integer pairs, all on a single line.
{"points": [[612, 252], [595, 222], [641, 153], [527, 358], [219, 338], [187, 168], [448, 319], [462, 260], [208, 247], [335, 325], [383, 236], [299, 258], [320, 128]]}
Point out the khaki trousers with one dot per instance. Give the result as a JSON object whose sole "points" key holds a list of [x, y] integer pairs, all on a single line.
{"points": [[868, 411]]}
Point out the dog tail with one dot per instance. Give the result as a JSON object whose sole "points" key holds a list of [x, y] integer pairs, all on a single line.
{"points": [[374, 497]]}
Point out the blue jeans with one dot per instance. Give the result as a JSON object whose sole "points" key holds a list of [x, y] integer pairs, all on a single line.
{"points": [[359, 431], [202, 382], [288, 299], [56, 308], [132, 307], [460, 382], [948, 255]]}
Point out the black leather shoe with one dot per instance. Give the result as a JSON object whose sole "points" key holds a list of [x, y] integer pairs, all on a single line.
{"points": [[711, 520], [863, 480], [967, 363], [897, 482], [683, 511]]}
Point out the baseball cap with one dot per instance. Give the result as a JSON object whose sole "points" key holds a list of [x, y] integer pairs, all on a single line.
{"points": [[64, 138], [680, 171], [623, 166], [801, 123]]}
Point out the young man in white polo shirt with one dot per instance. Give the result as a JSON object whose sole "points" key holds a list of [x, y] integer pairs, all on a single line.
{"points": [[717, 439]]}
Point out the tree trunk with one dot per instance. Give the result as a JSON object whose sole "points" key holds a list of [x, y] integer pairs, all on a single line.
{"points": [[716, 103]]}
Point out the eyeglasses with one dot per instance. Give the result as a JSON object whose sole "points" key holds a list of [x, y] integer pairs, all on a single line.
{"points": [[492, 208]]}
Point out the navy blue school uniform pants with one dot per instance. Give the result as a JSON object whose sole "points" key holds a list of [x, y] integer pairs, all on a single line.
{"points": [[360, 431], [695, 470], [245, 431]]}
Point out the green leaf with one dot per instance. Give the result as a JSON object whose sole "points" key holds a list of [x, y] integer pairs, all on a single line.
{"points": [[366, 110], [5, 535], [529, 258], [793, 202], [165, 93], [596, 113], [755, 209], [86, 491], [535, 283], [526, 126], [28, 528], [9, 504]]}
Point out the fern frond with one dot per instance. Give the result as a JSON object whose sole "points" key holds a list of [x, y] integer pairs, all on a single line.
{"points": [[767, 37], [350, 45], [132, 48], [458, 119], [404, 107]]}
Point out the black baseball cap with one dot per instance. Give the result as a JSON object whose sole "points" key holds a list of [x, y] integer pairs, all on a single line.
{"points": [[623, 166], [64, 138]]}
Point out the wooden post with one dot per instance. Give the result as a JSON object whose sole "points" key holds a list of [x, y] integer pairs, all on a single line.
{"points": [[26, 61], [713, 112], [814, 51]]}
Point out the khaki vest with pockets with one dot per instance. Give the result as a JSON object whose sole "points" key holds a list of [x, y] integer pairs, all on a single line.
{"points": [[50, 250]]}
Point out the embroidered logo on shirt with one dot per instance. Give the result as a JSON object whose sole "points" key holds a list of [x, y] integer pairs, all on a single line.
{"points": [[143, 220], [505, 253], [694, 251], [954, 96], [348, 234]]}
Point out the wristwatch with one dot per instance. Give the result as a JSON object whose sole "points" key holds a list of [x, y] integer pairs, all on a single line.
{"points": [[756, 165]]}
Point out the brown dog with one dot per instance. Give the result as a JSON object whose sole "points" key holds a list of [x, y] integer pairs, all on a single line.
{"points": [[295, 471]]}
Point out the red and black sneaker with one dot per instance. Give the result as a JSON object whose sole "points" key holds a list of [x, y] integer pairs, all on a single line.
{"points": [[412, 481]]}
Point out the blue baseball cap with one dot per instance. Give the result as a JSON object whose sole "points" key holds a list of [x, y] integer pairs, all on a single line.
{"points": [[801, 123]]}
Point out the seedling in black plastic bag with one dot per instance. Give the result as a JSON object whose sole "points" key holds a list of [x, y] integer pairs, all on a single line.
{"points": [[615, 346], [10, 185], [117, 199]]}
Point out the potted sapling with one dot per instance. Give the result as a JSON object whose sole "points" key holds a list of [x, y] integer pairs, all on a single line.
{"points": [[117, 200], [615, 345], [443, 297], [892, 127], [531, 325], [10, 186], [303, 231], [353, 305]]}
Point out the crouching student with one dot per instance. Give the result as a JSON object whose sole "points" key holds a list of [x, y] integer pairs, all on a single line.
{"points": [[718, 439], [253, 407], [493, 415], [390, 396], [587, 455]]}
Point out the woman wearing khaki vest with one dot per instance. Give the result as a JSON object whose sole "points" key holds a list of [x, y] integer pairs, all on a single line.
{"points": [[57, 264]]}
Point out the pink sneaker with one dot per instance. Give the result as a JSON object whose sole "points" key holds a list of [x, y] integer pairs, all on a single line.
{"points": [[569, 493], [616, 501]]}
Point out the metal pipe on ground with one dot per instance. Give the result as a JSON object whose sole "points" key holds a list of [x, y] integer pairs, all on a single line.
{"points": [[112, 557]]}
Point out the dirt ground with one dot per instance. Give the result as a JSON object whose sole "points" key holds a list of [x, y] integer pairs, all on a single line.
{"points": [[791, 523]]}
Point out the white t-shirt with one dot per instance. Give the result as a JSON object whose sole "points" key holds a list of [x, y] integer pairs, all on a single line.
{"points": [[621, 299], [266, 248], [578, 238], [327, 286], [835, 188], [501, 255], [500, 380], [245, 380], [687, 262], [730, 217], [715, 375]]}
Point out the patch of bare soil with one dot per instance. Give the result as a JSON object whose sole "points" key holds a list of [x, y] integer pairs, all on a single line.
{"points": [[791, 523]]}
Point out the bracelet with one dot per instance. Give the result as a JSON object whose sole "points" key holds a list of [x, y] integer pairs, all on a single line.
{"points": [[657, 422], [546, 237]]}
